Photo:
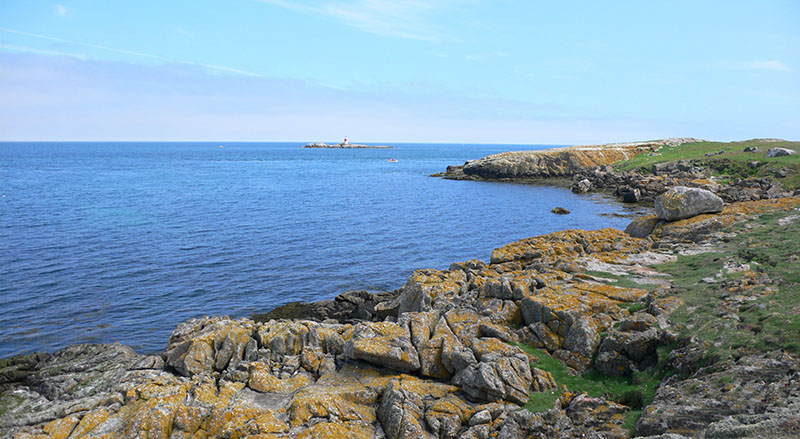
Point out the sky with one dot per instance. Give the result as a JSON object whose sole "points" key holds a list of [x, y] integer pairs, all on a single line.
{"points": [[462, 71]]}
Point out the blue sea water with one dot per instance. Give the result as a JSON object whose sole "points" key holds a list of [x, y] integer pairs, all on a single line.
{"points": [[105, 242]]}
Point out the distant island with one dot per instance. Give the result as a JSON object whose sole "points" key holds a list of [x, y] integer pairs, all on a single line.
{"points": [[345, 145]]}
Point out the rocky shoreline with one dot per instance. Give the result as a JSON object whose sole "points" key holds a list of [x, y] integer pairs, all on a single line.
{"points": [[509, 348], [344, 146]]}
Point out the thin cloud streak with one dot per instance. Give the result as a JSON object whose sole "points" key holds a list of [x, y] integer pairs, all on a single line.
{"points": [[27, 49], [380, 17], [770, 65], [61, 10], [129, 52]]}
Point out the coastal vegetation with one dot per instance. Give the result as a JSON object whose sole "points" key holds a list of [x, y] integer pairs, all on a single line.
{"points": [[727, 160]]}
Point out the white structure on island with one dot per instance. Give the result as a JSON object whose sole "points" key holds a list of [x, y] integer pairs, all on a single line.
{"points": [[345, 140]]}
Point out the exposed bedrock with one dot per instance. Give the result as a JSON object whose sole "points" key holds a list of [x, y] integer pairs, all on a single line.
{"points": [[558, 162], [437, 359]]}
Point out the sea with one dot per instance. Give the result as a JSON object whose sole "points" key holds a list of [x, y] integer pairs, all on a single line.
{"points": [[121, 241]]}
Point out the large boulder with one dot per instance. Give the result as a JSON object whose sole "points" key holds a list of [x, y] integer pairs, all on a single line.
{"points": [[683, 202], [780, 152]]}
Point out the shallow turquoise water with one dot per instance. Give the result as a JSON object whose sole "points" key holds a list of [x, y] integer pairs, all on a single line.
{"points": [[103, 242]]}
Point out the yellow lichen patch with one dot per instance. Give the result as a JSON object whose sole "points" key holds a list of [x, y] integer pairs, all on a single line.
{"points": [[542, 380], [61, 428], [262, 380], [732, 213], [238, 421], [436, 282], [157, 387], [226, 391], [585, 301], [501, 312], [187, 418], [343, 402], [569, 244], [424, 387], [339, 430], [452, 405], [89, 422], [204, 389], [612, 292], [464, 323], [483, 346], [284, 337]]}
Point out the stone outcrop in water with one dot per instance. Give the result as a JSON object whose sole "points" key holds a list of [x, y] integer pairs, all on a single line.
{"points": [[344, 146], [558, 162]]}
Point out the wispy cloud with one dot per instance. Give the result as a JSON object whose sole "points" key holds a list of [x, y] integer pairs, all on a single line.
{"points": [[61, 10], [408, 19], [121, 51], [26, 49], [769, 65]]}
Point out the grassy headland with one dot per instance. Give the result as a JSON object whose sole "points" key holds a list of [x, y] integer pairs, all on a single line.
{"points": [[732, 162]]}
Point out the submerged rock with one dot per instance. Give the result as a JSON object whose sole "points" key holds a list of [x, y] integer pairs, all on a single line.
{"points": [[560, 211]]}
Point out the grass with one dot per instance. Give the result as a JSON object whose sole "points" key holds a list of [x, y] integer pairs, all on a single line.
{"points": [[768, 315], [734, 162], [636, 391], [621, 281], [8, 402]]}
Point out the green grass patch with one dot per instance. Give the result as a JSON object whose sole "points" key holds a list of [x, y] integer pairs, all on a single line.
{"points": [[769, 319], [734, 162], [635, 391], [9, 401], [621, 281]]}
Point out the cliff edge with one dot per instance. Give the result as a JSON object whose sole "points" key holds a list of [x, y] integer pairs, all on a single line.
{"points": [[557, 162]]}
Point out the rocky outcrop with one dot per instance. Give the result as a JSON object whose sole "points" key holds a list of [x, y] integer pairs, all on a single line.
{"points": [[698, 228], [348, 307], [558, 162], [437, 358], [683, 202], [755, 396], [344, 146], [780, 152], [646, 185]]}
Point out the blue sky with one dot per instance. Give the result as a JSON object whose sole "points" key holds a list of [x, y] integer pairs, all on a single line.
{"points": [[499, 71]]}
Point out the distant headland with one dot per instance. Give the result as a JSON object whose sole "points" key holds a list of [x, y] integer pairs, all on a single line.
{"points": [[345, 145]]}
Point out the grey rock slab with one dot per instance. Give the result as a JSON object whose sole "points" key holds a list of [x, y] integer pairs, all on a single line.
{"points": [[684, 202]]}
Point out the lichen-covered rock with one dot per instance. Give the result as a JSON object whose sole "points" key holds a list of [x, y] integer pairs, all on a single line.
{"points": [[557, 162], [597, 416], [204, 345], [684, 202], [569, 244], [621, 353], [497, 377], [430, 289], [582, 340], [754, 393], [642, 226], [384, 344], [401, 413]]}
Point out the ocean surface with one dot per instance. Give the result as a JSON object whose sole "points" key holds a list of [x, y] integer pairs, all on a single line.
{"points": [[119, 242]]}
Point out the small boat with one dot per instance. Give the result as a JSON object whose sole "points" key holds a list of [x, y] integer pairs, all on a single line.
{"points": [[221, 146], [393, 160]]}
